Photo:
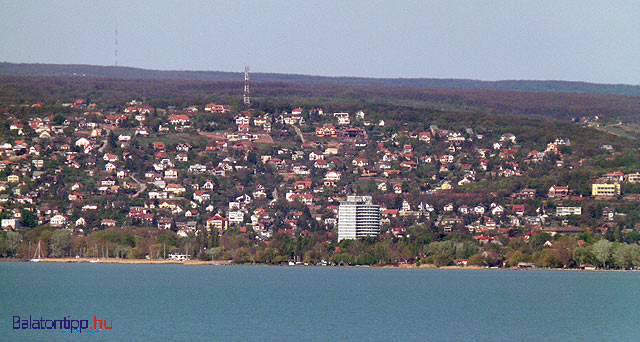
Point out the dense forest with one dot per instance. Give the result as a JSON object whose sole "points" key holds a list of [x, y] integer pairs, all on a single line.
{"points": [[26, 69]]}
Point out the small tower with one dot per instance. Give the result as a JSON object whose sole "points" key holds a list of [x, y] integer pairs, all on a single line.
{"points": [[116, 47], [247, 98]]}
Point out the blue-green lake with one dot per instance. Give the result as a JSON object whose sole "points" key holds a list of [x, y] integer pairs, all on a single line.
{"points": [[263, 303]]}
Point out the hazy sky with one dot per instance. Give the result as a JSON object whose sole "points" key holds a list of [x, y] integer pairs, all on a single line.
{"points": [[488, 40]]}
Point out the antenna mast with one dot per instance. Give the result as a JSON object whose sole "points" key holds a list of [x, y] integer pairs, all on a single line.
{"points": [[246, 98], [116, 50]]}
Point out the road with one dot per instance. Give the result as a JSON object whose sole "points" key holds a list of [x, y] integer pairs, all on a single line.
{"points": [[105, 141], [299, 133], [142, 186]]}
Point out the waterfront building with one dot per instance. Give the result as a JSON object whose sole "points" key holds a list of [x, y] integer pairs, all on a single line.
{"points": [[358, 217]]}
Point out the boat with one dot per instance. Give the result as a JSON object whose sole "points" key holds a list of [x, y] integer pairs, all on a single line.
{"points": [[94, 261], [38, 253]]}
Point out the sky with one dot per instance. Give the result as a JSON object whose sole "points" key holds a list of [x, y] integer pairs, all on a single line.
{"points": [[592, 41]]}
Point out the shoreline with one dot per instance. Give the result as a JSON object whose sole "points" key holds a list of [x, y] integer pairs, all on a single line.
{"points": [[130, 261], [229, 262]]}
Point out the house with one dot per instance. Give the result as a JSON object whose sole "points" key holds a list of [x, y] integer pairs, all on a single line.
{"points": [[326, 131], [9, 223], [444, 185], [82, 142], [303, 184], [208, 185], [293, 119], [321, 164], [183, 147], [81, 222], [508, 137], [75, 196], [525, 194], [331, 151], [633, 177], [398, 231], [497, 210], [216, 108], [518, 209], [165, 223], [108, 181], [167, 205], [176, 189], [558, 191], [567, 211], [360, 162], [171, 174], [489, 223], [343, 118], [201, 196], [179, 119], [300, 170], [236, 216], [424, 136], [109, 167], [410, 165], [157, 145], [451, 220], [198, 169], [58, 220], [332, 177], [218, 223], [479, 210], [609, 213], [303, 197], [142, 130], [110, 157], [613, 177]]}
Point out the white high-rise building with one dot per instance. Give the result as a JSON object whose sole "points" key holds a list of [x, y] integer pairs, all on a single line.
{"points": [[358, 217]]}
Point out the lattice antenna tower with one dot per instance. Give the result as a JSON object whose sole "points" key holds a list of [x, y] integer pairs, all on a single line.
{"points": [[247, 97]]}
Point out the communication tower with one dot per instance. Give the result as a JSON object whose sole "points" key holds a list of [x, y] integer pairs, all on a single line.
{"points": [[246, 98], [116, 47]]}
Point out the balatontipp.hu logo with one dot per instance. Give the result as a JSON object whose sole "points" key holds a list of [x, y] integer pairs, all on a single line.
{"points": [[66, 324]]}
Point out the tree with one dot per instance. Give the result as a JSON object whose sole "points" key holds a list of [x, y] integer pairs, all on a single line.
{"points": [[13, 241], [58, 119], [60, 242], [626, 256], [602, 251], [29, 218]]}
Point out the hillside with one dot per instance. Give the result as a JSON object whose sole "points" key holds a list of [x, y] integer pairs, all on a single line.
{"points": [[26, 69], [134, 167], [558, 105]]}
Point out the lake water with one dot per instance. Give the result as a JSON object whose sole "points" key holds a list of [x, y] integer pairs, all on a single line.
{"points": [[264, 303]]}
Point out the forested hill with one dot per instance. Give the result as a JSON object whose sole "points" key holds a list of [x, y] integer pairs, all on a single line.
{"points": [[26, 69]]}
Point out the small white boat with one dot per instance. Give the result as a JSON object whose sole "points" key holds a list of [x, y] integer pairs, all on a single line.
{"points": [[37, 252], [94, 261]]}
